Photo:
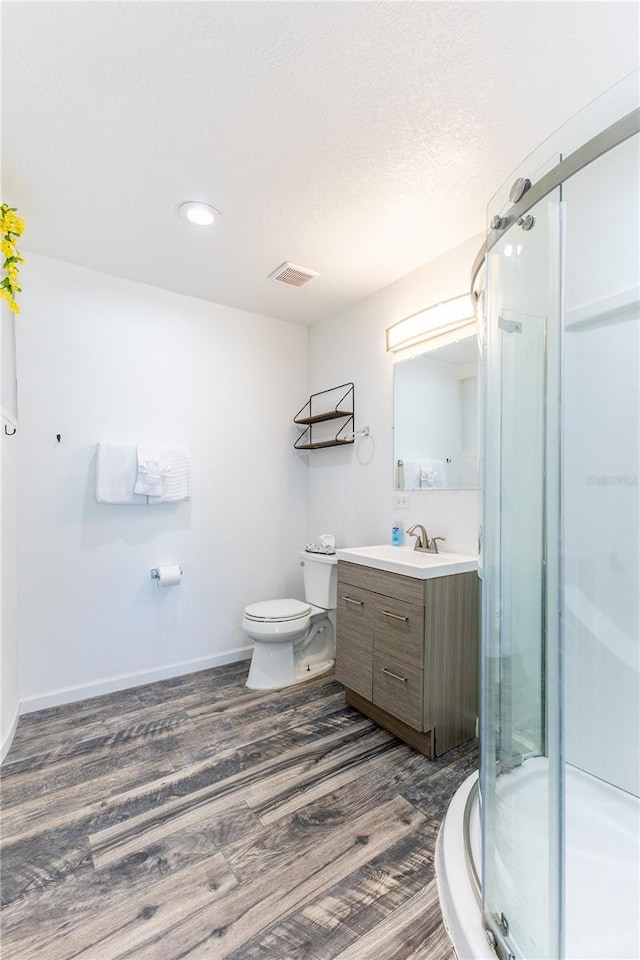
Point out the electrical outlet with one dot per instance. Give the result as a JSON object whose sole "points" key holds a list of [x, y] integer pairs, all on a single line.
{"points": [[402, 501]]}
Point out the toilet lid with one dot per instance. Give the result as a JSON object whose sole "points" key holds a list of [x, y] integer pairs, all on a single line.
{"points": [[277, 610]]}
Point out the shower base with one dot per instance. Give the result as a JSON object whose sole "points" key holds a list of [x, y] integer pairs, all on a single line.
{"points": [[602, 886]]}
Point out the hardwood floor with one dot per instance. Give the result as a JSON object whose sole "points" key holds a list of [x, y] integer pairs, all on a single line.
{"points": [[193, 818]]}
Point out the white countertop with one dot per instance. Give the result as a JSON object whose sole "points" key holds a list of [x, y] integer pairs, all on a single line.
{"points": [[409, 562]]}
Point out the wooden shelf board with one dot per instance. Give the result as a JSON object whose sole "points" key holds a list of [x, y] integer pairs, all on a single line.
{"points": [[322, 443], [320, 417]]}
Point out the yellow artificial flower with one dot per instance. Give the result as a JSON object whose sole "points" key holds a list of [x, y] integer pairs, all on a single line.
{"points": [[13, 306], [13, 223], [11, 226]]}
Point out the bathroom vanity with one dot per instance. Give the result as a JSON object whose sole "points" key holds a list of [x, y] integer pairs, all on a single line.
{"points": [[407, 642]]}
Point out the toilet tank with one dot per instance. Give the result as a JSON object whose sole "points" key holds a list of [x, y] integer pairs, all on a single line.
{"points": [[320, 573]]}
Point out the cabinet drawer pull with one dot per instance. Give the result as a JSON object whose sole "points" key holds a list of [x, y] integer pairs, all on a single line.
{"points": [[360, 603], [395, 616], [394, 675]]}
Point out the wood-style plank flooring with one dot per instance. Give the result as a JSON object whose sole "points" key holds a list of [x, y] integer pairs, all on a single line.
{"points": [[193, 818]]}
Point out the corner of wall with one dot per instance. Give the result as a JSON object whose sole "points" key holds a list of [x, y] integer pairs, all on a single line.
{"points": [[9, 695], [351, 488]]}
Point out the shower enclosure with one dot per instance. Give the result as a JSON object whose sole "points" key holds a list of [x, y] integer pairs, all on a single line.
{"points": [[556, 857]]}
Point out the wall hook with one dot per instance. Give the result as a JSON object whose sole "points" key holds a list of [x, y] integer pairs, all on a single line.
{"points": [[15, 430], [58, 437]]}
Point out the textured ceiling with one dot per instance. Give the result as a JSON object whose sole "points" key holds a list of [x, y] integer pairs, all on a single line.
{"points": [[357, 139]]}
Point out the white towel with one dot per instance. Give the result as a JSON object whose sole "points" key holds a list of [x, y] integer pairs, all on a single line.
{"points": [[433, 475], [327, 540], [173, 466], [116, 469], [152, 469], [411, 474], [315, 547]]}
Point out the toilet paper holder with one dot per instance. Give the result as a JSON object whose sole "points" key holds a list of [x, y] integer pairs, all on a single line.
{"points": [[154, 574]]}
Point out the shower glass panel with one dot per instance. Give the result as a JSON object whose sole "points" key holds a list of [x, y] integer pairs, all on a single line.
{"points": [[600, 614], [521, 785]]}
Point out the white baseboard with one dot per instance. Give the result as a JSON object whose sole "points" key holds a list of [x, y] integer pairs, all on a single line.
{"points": [[7, 739], [55, 698]]}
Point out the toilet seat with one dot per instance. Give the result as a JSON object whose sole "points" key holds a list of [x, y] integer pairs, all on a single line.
{"points": [[277, 611]]}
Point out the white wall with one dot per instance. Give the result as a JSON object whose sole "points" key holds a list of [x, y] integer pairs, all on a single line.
{"points": [[351, 488], [9, 696], [102, 358], [9, 535]]}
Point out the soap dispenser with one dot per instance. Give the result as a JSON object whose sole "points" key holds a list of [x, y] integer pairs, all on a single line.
{"points": [[397, 533]]}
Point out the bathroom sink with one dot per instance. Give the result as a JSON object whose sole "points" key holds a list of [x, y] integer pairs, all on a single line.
{"points": [[407, 561]]}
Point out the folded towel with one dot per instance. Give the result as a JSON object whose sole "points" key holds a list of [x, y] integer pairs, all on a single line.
{"points": [[433, 475], [411, 474], [116, 468], [152, 470], [173, 466], [320, 548]]}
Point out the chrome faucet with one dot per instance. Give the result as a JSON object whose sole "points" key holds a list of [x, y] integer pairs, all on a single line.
{"points": [[433, 546], [423, 543], [422, 537]]}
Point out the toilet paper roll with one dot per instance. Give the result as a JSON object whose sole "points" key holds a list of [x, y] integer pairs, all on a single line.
{"points": [[169, 576]]}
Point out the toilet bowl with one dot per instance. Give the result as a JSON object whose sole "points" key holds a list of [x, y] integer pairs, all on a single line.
{"points": [[294, 639]]}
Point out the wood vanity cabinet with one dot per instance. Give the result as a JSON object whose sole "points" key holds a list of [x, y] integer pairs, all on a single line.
{"points": [[407, 652]]}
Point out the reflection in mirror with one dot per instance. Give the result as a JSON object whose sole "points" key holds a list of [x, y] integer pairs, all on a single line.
{"points": [[435, 419]]}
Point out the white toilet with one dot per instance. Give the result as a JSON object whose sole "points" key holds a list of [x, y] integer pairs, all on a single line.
{"points": [[294, 639]]}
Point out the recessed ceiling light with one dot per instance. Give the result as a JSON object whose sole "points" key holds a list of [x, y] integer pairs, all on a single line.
{"points": [[201, 214]]}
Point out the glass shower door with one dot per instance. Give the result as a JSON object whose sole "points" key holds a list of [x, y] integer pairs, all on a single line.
{"points": [[520, 775]]}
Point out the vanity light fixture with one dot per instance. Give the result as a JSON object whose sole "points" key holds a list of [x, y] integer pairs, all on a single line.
{"points": [[200, 214], [445, 317]]}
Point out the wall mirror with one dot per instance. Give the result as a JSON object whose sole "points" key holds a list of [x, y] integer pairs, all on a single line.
{"points": [[435, 419]]}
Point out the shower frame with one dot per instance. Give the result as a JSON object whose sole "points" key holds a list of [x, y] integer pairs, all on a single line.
{"points": [[596, 147]]}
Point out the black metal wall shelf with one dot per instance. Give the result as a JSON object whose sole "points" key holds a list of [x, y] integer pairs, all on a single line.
{"points": [[308, 418]]}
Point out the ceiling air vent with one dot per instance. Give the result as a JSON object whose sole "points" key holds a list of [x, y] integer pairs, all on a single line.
{"points": [[293, 275]]}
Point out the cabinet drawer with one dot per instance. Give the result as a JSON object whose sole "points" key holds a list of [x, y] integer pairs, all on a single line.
{"points": [[398, 689], [398, 630], [381, 581], [354, 639]]}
